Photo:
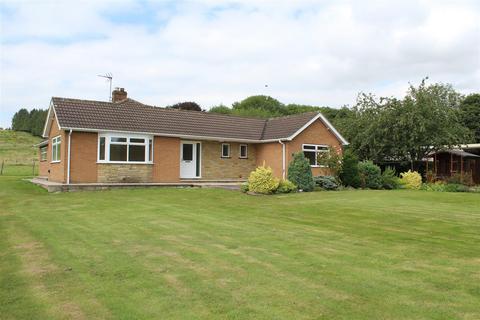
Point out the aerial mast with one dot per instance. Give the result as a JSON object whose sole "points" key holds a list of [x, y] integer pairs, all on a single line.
{"points": [[109, 77]]}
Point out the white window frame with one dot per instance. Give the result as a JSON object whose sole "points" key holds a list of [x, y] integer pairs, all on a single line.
{"points": [[240, 151], [43, 153], [318, 148], [108, 137], [56, 146], [229, 150]]}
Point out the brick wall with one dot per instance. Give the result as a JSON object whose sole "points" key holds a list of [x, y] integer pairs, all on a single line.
{"points": [[56, 171], [316, 133], [83, 157], [166, 159], [214, 167], [108, 173]]}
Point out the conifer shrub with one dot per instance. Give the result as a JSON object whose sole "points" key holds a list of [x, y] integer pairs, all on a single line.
{"points": [[370, 175], [300, 172], [349, 171]]}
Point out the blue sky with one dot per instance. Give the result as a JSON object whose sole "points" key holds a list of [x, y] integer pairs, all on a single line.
{"points": [[213, 52]]}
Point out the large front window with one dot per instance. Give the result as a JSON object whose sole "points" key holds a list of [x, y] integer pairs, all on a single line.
{"points": [[125, 148], [56, 149], [311, 152]]}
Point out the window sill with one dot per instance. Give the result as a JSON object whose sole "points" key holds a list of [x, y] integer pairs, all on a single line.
{"points": [[123, 162], [55, 161], [318, 166], [225, 157]]}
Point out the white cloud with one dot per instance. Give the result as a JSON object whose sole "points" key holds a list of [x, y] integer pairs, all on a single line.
{"points": [[320, 53]]}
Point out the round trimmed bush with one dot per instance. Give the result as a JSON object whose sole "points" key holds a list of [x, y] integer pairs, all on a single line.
{"points": [[411, 180], [262, 181], [286, 186], [349, 170]]}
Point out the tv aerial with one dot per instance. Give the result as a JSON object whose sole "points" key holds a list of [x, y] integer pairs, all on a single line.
{"points": [[108, 76]]}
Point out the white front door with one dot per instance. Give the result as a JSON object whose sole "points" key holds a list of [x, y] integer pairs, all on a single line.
{"points": [[189, 160]]}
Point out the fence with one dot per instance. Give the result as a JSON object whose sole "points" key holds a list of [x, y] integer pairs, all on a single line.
{"points": [[18, 168]]}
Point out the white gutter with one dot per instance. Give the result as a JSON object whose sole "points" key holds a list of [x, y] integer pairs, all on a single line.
{"points": [[68, 156], [283, 158]]}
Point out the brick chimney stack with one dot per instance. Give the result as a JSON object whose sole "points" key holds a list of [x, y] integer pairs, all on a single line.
{"points": [[119, 94]]}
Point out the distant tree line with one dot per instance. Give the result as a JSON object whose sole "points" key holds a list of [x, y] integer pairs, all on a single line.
{"points": [[29, 121]]}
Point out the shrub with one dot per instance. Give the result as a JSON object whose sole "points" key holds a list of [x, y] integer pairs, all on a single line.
{"points": [[244, 187], [456, 187], [445, 187], [370, 175], [349, 170], [286, 186], [326, 182], [262, 180], [332, 160], [458, 178], [389, 179], [411, 180], [300, 172]]}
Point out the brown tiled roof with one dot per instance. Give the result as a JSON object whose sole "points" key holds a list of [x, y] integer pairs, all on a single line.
{"points": [[133, 116]]}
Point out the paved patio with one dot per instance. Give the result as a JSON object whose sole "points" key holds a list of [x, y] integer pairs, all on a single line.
{"points": [[52, 186]]}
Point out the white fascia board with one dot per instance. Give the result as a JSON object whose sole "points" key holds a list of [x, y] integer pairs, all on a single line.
{"points": [[326, 122], [48, 120]]}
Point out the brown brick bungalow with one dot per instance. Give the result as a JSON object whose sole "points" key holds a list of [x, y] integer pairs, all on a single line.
{"points": [[127, 141]]}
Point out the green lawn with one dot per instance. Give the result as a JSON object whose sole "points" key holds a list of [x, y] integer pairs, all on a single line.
{"points": [[218, 254]]}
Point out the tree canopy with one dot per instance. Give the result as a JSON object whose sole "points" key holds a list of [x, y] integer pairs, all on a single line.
{"points": [[32, 121], [390, 129], [188, 105], [470, 114]]}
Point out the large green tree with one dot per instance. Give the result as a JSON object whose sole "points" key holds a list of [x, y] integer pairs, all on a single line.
{"points": [[427, 118], [470, 114]]}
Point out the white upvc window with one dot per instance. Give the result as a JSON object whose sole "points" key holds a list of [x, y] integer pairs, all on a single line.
{"points": [[43, 153], [125, 148], [225, 150], [243, 152], [311, 152], [56, 148]]}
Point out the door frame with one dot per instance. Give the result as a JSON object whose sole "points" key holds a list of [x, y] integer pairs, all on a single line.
{"points": [[198, 157]]}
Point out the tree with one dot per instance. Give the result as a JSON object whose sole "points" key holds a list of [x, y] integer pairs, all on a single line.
{"points": [[300, 172], [258, 106], [388, 129], [221, 109], [189, 105], [470, 114], [21, 120]]}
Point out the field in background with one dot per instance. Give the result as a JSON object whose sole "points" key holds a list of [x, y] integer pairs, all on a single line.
{"points": [[218, 254], [17, 154]]}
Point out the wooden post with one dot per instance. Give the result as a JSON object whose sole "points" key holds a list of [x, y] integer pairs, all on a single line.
{"points": [[33, 168], [435, 164], [451, 164], [461, 168], [1, 170]]}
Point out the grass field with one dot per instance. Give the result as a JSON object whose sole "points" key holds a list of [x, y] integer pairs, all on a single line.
{"points": [[218, 254], [17, 153]]}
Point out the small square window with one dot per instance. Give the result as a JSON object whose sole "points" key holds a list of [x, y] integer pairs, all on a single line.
{"points": [[225, 150], [243, 151]]}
